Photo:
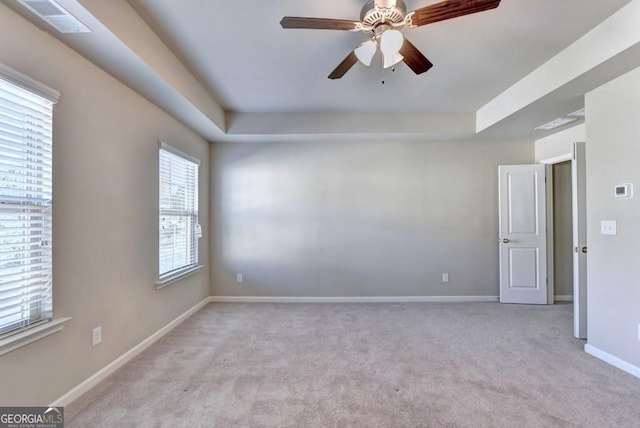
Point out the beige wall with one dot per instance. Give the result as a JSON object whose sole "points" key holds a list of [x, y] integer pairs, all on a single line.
{"points": [[105, 218], [613, 276], [358, 219]]}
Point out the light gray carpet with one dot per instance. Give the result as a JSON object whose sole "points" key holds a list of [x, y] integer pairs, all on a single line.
{"points": [[366, 365]]}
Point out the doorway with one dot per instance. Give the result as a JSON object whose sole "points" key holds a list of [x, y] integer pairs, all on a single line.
{"points": [[526, 234], [562, 232], [577, 263]]}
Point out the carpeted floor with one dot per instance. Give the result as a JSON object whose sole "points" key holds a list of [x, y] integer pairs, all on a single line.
{"points": [[366, 365]]}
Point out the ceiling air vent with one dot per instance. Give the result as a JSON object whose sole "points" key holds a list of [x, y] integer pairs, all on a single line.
{"points": [[578, 113], [55, 15], [556, 123]]}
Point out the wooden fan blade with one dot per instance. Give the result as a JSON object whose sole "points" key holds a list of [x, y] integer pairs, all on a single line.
{"points": [[318, 23], [414, 58], [450, 9], [344, 66]]}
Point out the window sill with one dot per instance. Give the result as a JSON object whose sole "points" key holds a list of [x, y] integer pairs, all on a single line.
{"points": [[178, 276], [18, 340]]}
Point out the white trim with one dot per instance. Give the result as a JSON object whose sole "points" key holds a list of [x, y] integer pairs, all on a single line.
{"points": [[563, 298], [31, 85], [558, 159], [168, 147], [355, 299], [110, 368], [18, 340], [178, 276], [613, 360]]}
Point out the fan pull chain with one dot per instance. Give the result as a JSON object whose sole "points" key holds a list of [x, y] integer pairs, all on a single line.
{"points": [[393, 70]]}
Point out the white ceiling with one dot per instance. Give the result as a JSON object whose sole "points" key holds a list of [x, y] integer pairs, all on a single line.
{"points": [[231, 73], [250, 64]]}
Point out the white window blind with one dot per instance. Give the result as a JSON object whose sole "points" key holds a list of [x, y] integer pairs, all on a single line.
{"points": [[179, 228], [25, 206]]}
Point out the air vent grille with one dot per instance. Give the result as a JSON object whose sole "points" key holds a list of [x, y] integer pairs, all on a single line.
{"points": [[578, 113], [44, 8], [55, 15], [556, 123]]}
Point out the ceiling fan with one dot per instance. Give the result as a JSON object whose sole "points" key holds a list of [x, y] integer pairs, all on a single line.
{"points": [[381, 21]]}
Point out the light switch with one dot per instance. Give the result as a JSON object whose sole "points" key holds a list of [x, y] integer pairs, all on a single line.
{"points": [[608, 227]]}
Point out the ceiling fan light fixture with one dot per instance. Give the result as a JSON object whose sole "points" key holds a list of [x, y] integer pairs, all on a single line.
{"points": [[366, 51], [381, 20], [390, 61], [391, 42]]}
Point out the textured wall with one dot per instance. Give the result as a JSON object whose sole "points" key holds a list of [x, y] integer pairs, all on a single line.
{"points": [[105, 219], [613, 272], [358, 219]]}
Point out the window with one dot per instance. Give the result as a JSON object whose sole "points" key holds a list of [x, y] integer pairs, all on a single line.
{"points": [[25, 201], [179, 228]]}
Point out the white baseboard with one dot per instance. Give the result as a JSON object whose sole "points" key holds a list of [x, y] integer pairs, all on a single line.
{"points": [[356, 299], [563, 298], [613, 360], [100, 375]]}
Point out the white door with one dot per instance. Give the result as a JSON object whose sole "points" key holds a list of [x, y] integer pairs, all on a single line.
{"points": [[579, 195], [523, 235]]}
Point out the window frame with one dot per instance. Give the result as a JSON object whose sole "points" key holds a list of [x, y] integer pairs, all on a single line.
{"points": [[171, 276], [32, 330]]}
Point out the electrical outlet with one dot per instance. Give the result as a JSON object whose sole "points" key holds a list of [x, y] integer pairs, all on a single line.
{"points": [[608, 227], [96, 336], [445, 277], [238, 277]]}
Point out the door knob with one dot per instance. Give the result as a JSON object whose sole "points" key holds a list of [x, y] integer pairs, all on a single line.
{"points": [[503, 241]]}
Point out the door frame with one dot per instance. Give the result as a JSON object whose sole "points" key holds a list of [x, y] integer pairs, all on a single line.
{"points": [[577, 287]]}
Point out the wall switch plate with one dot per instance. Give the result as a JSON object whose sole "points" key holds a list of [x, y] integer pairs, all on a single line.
{"points": [[239, 278], [445, 277], [96, 336], [608, 227]]}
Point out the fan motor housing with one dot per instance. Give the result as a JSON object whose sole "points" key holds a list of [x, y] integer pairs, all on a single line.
{"points": [[372, 17]]}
